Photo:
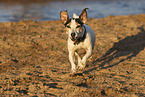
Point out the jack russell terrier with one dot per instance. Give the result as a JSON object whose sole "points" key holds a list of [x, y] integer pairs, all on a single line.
{"points": [[79, 36]]}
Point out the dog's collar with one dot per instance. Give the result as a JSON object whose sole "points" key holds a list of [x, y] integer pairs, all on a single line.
{"points": [[80, 39]]}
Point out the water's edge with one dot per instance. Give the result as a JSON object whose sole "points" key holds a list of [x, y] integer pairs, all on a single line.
{"points": [[50, 10]]}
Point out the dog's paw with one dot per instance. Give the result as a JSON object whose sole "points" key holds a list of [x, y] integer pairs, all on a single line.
{"points": [[73, 72], [81, 66]]}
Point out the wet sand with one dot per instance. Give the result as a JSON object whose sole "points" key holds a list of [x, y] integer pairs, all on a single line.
{"points": [[34, 59]]}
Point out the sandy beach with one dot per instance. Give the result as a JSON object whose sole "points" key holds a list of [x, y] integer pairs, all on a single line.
{"points": [[34, 59]]}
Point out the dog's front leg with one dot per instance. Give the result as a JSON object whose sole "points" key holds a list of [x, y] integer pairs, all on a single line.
{"points": [[71, 59], [85, 58]]}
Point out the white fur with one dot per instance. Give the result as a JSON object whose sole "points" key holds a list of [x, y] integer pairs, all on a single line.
{"points": [[74, 29], [88, 45], [75, 16]]}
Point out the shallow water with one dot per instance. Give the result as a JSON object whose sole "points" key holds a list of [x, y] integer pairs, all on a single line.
{"points": [[51, 10]]}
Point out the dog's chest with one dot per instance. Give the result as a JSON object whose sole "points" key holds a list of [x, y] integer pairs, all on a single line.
{"points": [[80, 45]]}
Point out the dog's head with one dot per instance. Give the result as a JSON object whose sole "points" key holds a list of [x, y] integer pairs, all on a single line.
{"points": [[74, 26]]}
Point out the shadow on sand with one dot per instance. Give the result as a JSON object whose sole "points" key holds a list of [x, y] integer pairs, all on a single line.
{"points": [[128, 47]]}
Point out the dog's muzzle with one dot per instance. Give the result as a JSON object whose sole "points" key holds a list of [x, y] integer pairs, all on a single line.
{"points": [[78, 39], [73, 38], [73, 35]]}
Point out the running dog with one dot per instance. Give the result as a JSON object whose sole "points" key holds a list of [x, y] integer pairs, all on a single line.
{"points": [[79, 36]]}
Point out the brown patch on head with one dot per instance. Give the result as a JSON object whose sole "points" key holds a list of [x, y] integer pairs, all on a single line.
{"points": [[79, 24], [67, 25]]}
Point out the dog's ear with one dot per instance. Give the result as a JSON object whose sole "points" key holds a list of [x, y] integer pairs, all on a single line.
{"points": [[83, 15], [64, 16]]}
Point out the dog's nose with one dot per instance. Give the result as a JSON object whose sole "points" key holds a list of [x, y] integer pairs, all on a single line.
{"points": [[73, 34]]}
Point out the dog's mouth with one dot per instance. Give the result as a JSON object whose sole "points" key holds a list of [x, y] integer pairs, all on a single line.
{"points": [[76, 39], [73, 38]]}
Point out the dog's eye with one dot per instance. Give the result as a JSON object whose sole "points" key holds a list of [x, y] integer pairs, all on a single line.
{"points": [[78, 26], [68, 26]]}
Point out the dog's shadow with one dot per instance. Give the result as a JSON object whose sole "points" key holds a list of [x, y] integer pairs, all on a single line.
{"points": [[128, 47]]}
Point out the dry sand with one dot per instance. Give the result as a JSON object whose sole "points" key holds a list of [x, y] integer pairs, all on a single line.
{"points": [[34, 59]]}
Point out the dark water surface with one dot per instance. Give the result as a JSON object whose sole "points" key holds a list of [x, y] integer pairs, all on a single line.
{"points": [[51, 10]]}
